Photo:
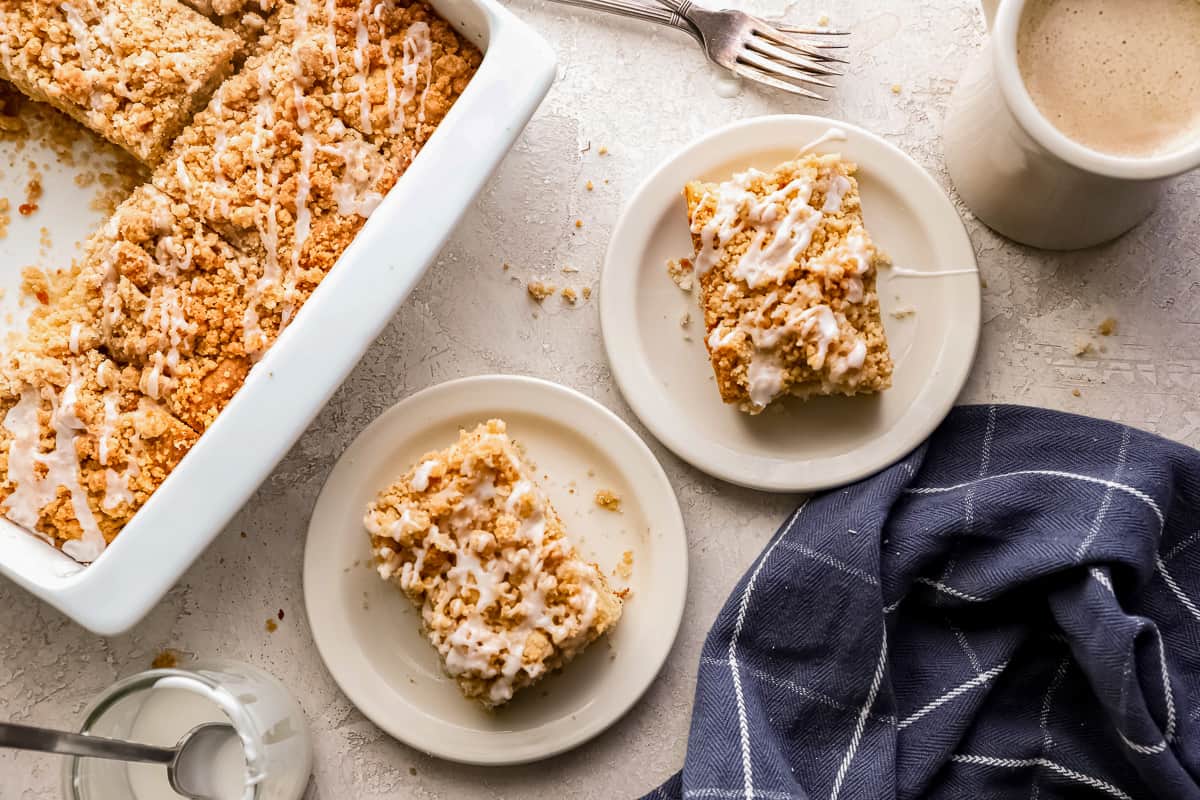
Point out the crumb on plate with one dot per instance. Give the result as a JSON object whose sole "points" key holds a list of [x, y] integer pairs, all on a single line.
{"points": [[608, 500], [624, 567], [681, 272]]}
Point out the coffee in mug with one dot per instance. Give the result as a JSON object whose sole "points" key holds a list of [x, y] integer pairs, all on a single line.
{"points": [[1121, 77]]}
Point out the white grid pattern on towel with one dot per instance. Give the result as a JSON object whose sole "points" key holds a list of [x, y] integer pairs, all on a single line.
{"points": [[962, 688], [1054, 766], [743, 606], [856, 737], [1133, 491], [1175, 589]]}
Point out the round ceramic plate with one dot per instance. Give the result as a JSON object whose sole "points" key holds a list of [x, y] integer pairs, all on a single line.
{"points": [[369, 633], [662, 367]]}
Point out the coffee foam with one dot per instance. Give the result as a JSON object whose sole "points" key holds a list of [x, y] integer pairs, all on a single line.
{"points": [[1118, 76]]}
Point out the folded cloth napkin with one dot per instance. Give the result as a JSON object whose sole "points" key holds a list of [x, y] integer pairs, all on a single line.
{"points": [[1013, 611]]}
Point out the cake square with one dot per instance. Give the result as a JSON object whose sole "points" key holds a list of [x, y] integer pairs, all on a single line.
{"points": [[787, 283], [159, 290], [471, 539], [132, 71], [269, 167], [389, 70], [81, 449]]}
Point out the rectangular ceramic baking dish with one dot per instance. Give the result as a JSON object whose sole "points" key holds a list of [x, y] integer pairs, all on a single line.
{"points": [[313, 356]]}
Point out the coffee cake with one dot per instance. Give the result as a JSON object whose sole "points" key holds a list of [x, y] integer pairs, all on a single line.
{"points": [[471, 539], [787, 283], [134, 71]]}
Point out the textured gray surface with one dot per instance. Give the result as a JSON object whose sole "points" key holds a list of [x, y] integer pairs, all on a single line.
{"points": [[641, 92]]}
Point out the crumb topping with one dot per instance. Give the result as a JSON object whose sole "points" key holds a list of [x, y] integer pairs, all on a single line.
{"points": [[787, 276], [469, 537], [132, 352]]}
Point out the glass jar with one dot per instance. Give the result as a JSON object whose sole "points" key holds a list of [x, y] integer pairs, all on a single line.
{"points": [[160, 705]]}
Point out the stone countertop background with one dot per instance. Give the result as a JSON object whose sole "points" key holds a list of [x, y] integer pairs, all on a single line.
{"points": [[641, 92]]}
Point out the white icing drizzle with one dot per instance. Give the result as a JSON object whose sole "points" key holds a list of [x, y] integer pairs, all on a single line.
{"points": [[354, 189], [116, 484], [395, 125], [834, 134], [905, 272], [420, 478], [778, 240], [73, 340], [33, 492], [108, 426], [764, 378], [418, 50], [838, 186], [361, 42]]}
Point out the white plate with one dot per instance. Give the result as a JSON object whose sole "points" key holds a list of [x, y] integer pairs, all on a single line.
{"points": [[368, 633], [284, 392], [793, 445]]}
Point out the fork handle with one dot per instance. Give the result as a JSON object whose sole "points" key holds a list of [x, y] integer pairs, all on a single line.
{"points": [[680, 7], [633, 10]]}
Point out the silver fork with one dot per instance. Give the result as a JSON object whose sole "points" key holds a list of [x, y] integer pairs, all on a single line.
{"points": [[770, 53], [758, 50]]}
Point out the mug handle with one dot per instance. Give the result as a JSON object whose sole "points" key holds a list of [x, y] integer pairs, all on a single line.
{"points": [[989, 11]]}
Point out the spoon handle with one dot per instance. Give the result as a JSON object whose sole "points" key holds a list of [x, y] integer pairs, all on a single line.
{"points": [[25, 737]]}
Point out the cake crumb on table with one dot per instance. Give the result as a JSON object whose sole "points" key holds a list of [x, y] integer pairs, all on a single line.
{"points": [[823, 20], [608, 500], [569, 295], [1083, 347], [902, 313], [578, 223], [1076, 392], [539, 290], [686, 319], [896, 88], [587, 293], [603, 150], [272, 625], [167, 659], [589, 186], [1107, 327], [569, 270]]}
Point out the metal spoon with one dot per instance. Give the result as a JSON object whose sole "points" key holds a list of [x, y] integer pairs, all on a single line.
{"points": [[189, 763]]}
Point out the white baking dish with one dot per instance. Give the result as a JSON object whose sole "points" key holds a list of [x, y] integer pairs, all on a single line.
{"points": [[312, 357]]}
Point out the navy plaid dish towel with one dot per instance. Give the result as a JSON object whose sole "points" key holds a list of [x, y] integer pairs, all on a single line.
{"points": [[1011, 612]]}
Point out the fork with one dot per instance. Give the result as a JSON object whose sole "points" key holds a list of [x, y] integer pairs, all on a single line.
{"points": [[756, 49], [773, 54]]}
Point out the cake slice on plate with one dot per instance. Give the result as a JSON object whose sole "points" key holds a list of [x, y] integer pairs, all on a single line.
{"points": [[467, 534], [787, 283]]}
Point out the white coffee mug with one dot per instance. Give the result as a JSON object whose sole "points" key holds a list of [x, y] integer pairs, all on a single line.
{"points": [[1026, 179]]}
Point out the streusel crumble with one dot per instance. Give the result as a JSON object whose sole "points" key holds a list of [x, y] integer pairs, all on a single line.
{"points": [[787, 283], [471, 539], [81, 448], [133, 351], [133, 71]]}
